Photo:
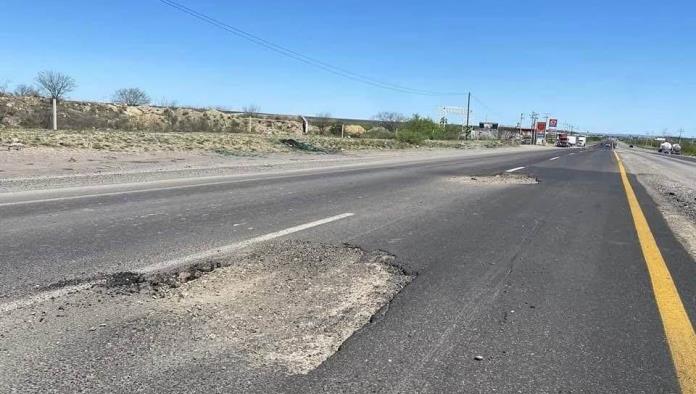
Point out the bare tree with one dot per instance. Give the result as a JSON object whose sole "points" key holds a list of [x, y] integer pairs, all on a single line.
{"points": [[26, 90], [165, 102], [131, 96], [3, 88], [390, 120], [323, 120], [251, 110], [56, 84]]}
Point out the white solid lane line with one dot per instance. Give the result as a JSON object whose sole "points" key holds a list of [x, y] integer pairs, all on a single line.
{"points": [[554, 158], [514, 169], [217, 252], [226, 249], [45, 296]]}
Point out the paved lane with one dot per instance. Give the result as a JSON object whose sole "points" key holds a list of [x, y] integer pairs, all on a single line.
{"points": [[546, 283], [65, 235], [520, 288]]}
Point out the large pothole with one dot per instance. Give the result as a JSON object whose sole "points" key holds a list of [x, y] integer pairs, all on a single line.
{"points": [[498, 179], [284, 307]]}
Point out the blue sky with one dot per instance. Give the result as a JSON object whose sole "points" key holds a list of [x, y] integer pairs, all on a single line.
{"points": [[622, 66]]}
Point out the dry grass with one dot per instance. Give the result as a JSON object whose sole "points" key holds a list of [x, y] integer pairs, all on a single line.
{"points": [[137, 141], [226, 143]]}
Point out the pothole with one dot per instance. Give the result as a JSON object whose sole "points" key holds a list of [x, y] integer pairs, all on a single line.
{"points": [[283, 306], [499, 179]]}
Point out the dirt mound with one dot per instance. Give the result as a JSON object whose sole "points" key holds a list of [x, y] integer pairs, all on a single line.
{"points": [[35, 112], [354, 130]]}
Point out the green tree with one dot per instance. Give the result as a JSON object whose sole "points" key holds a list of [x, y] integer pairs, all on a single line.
{"points": [[417, 129]]}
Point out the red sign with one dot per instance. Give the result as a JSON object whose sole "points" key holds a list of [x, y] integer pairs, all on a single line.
{"points": [[553, 123], [541, 126]]}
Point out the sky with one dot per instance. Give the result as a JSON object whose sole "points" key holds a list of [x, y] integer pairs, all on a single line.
{"points": [[602, 66]]}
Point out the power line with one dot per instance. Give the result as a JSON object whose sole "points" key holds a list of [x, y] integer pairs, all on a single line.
{"points": [[303, 58], [491, 110]]}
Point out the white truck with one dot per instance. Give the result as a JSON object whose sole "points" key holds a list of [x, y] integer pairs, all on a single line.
{"points": [[665, 147], [572, 140], [582, 141]]}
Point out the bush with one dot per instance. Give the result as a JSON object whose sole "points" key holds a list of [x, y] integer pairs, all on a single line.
{"points": [[131, 96], [378, 133], [26, 91], [410, 136], [450, 132], [417, 129], [688, 148], [390, 120]]}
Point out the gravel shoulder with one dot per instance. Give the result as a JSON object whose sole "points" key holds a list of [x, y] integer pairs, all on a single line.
{"points": [[277, 310], [48, 168], [672, 185]]}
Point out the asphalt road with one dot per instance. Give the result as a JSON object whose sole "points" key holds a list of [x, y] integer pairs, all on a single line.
{"points": [[546, 283]]}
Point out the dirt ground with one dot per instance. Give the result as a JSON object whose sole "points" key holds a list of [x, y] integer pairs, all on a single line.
{"points": [[672, 184], [44, 162], [287, 305], [35, 168]]}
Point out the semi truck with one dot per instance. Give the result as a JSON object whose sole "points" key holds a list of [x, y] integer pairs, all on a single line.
{"points": [[582, 141], [572, 140], [669, 148], [562, 140]]}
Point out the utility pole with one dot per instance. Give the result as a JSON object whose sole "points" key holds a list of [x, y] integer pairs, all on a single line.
{"points": [[534, 116], [519, 125], [468, 111]]}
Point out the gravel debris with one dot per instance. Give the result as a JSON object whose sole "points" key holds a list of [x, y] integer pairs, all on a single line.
{"points": [[672, 185], [499, 179]]}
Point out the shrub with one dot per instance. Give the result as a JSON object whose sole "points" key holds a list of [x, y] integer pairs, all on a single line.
{"points": [[449, 132], [390, 120], [131, 96], [410, 136], [378, 133], [26, 91], [417, 129]]}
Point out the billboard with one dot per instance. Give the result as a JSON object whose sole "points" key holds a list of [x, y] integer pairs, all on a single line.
{"points": [[553, 123], [540, 127]]}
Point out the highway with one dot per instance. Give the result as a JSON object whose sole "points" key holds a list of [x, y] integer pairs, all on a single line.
{"points": [[519, 287]]}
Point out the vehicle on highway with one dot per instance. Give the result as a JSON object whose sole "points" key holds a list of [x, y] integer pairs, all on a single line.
{"points": [[676, 149], [582, 141], [572, 140], [665, 147], [562, 140]]}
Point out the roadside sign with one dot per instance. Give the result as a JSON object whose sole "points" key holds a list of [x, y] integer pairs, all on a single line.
{"points": [[553, 123], [540, 133]]}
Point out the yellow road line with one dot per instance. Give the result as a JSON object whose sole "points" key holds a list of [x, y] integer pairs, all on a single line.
{"points": [[678, 329]]}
